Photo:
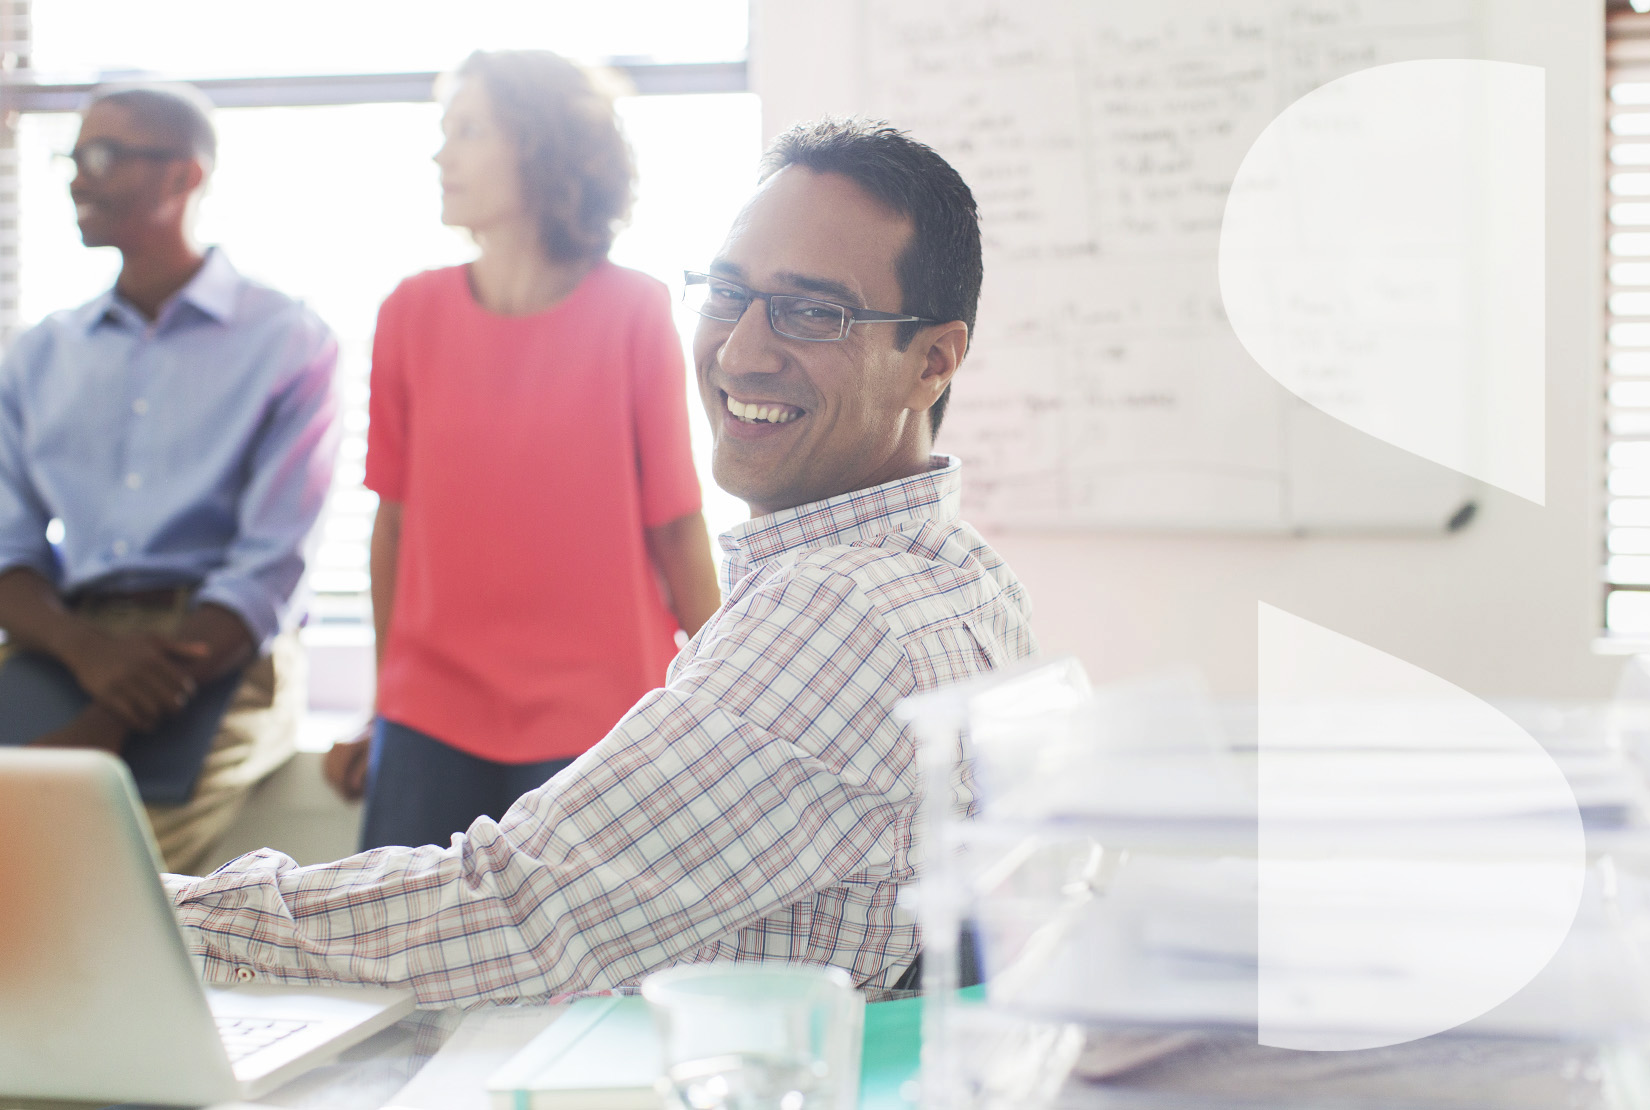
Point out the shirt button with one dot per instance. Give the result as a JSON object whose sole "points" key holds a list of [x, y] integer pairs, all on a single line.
{"points": [[120, 547], [134, 480], [140, 406], [245, 974]]}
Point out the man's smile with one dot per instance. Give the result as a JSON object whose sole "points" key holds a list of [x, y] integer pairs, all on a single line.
{"points": [[761, 411], [751, 418]]}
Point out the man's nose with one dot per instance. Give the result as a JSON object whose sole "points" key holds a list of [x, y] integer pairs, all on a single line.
{"points": [[752, 347]]}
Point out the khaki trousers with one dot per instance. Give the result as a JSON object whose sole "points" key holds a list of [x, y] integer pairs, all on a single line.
{"points": [[256, 736]]}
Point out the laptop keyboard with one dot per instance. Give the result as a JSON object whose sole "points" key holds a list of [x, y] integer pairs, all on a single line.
{"points": [[244, 1036]]}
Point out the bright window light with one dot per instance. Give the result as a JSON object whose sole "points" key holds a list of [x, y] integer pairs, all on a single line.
{"points": [[220, 38], [336, 204]]}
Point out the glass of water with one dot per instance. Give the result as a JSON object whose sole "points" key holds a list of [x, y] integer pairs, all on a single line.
{"points": [[757, 1037]]}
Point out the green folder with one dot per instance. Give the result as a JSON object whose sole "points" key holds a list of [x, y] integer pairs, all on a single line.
{"points": [[892, 1054], [604, 1053]]}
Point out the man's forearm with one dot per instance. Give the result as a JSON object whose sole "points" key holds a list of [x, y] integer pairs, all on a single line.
{"points": [[34, 616], [229, 644], [139, 679], [589, 905]]}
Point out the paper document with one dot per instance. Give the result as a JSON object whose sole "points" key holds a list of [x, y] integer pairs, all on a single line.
{"points": [[456, 1077]]}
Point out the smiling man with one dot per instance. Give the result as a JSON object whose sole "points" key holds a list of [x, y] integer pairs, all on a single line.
{"points": [[761, 805], [179, 431], [803, 405]]}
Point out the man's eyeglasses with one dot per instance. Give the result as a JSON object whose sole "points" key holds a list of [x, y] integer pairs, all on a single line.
{"points": [[806, 318], [99, 157]]}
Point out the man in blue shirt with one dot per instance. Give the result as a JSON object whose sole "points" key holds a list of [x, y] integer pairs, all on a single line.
{"points": [[179, 430]]}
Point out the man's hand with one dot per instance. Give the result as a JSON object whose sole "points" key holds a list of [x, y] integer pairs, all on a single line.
{"points": [[345, 764], [140, 679]]}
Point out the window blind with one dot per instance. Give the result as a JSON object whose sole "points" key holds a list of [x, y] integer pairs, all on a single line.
{"points": [[14, 65], [1626, 569]]}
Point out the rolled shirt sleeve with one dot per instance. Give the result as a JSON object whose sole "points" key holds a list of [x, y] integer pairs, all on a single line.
{"points": [[290, 466], [765, 776], [23, 512]]}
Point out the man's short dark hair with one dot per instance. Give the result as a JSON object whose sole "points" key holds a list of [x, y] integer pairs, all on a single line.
{"points": [[940, 269], [577, 175], [179, 112]]}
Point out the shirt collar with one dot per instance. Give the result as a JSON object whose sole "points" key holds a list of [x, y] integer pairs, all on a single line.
{"points": [[933, 495], [213, 290]]}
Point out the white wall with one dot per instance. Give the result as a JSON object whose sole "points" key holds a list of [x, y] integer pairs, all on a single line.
{"points": [[1507, 607]]}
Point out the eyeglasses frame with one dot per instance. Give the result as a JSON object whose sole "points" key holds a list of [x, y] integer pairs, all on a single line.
{"points": [[119, 152], [850, 314]]}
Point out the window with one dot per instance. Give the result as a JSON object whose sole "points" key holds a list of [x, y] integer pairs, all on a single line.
{"points": [[1627, 347], [335, 203], [86, 39]]}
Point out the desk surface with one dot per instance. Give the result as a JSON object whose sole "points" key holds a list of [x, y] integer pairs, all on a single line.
{"points": [[368, 1075], [1511, 1074], [375, 1073], [365, 1077], [1207, 1071]]}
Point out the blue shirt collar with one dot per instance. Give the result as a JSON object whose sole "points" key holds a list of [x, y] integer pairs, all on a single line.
{"points": [[213, 291]]}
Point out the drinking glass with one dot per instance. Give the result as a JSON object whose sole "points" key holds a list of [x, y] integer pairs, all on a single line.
{"points": [[757, 1037]]}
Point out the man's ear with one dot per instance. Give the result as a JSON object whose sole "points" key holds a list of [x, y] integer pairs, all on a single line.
{"points": [[190, 175], [944, 352]]}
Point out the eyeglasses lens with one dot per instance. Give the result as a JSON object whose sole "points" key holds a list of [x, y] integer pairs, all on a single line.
{"points": [[797, 317], [94, 159], [803, 318], [716, 300]]}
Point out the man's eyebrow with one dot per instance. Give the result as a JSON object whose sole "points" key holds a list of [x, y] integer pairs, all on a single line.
{"points": [[823, 287]]}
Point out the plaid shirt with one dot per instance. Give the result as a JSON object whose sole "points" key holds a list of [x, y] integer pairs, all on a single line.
{"points": [[758, 807]]}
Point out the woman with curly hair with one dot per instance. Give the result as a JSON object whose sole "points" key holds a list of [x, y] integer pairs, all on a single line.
{"points": [[538, 540]]}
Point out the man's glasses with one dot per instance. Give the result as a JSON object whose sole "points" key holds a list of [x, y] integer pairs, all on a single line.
{"points": [[804, 318], [99, 157]]}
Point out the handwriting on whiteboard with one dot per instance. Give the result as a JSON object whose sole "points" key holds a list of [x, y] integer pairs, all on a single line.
{"points": [[1104, 386]]}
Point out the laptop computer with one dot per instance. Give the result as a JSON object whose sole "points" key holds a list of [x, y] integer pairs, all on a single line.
{"points": [[98, 996]]}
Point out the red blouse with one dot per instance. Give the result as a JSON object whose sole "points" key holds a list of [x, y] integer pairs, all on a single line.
{"points": [[528, 453]]}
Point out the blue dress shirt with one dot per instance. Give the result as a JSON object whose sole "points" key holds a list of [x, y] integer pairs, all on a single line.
{"points": [[197, 448]]}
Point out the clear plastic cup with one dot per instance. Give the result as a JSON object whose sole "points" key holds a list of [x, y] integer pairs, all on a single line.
{"points": [[757, 1036]]}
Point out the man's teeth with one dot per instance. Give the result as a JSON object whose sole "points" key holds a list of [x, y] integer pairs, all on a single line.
{"points": [[772, 414]]}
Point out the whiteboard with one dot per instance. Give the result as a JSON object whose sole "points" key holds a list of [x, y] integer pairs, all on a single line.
{"points": [[1104, 388]]}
